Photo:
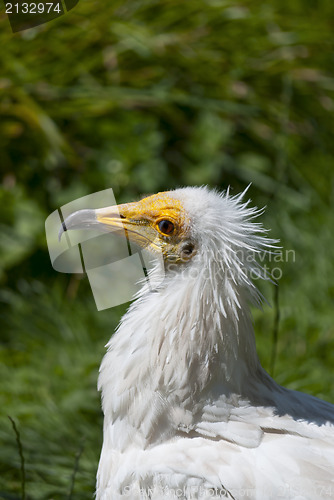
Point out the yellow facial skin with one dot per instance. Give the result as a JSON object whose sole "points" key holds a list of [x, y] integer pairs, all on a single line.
{"points": [[158, 223]]}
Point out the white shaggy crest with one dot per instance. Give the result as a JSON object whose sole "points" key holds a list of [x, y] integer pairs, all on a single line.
{"points": [[189, 411]]}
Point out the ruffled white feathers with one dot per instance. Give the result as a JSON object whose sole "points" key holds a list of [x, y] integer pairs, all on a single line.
{"points": [[187, 404]]}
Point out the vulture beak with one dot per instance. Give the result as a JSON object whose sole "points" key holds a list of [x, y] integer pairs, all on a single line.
{"points": [[136, 219], [82, 219]]}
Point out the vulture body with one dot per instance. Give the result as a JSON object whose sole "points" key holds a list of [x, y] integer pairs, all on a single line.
{"points": [[188, 410]]}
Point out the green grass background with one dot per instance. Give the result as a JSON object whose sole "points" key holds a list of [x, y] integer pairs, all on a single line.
{"points": [[143, 96]]}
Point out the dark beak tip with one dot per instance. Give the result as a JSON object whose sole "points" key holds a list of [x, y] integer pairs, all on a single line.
{"points": [[81, 219], [62, 230]]}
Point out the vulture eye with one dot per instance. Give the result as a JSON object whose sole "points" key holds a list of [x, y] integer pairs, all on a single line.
{"points": [[166, 226]]}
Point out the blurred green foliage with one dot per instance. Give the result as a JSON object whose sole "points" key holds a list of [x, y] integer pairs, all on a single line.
{"points": [[143, 96]]}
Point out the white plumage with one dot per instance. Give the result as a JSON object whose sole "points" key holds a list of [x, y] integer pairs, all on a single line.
{"points": [[189, 411]]}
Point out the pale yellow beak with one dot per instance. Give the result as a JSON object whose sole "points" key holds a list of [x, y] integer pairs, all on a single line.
{"points": [[140, 220]]}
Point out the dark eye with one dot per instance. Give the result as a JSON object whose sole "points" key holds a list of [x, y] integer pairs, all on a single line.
{"points": [[166, 226]]}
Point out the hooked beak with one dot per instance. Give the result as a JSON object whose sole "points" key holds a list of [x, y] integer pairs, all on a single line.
{"points": [[82, 219], [127, 217], [140, 222]]}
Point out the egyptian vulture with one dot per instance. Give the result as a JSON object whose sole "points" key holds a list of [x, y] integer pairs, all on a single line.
{"points": [[188, 410]]}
